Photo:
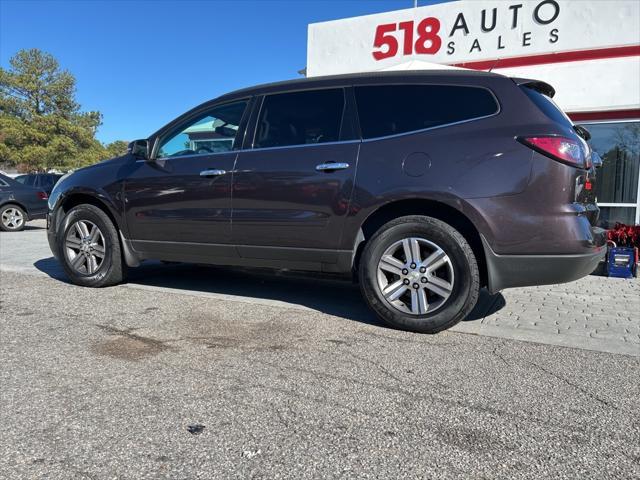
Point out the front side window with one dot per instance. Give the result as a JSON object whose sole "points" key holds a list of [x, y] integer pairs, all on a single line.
{"points": [[212, 132], [392, 109], [300, 118]]}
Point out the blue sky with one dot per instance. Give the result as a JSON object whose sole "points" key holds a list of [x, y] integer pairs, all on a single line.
{"points": [[142, 63]]}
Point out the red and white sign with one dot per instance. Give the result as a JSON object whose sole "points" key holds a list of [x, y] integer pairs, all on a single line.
{"points": [[585, 48], [470, 31]]}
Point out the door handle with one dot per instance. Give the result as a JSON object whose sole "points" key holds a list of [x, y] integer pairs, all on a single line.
{"points": [[212, 173], [328, 167]]}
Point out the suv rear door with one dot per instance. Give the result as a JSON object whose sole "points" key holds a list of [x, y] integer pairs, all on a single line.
{"points": [[293, 181]]}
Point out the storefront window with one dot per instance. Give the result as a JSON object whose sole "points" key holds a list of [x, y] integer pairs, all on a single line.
{"points": [[618, 180], [609, 216]]}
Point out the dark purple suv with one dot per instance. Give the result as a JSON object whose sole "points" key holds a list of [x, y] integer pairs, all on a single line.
{"points": [[427, 186]]}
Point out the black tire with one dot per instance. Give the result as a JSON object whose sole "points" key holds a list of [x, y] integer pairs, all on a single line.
{"points": [[463, 265], [6, 227], [111, 271]]}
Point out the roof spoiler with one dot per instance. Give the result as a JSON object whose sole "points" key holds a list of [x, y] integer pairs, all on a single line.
{"points": [[536, 85]]}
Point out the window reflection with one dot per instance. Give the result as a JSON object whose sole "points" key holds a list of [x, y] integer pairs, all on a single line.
{"points": [[213, 132], [609, 216], [619, 145], [617, 181]]}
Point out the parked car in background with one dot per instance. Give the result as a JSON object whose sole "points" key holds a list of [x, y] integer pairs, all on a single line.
{"points": [[19, 204], [426, 185], [41, 181]]}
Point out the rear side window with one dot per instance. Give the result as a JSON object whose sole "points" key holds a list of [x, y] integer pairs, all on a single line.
{"points": [[393, 109], [547, 106], [29, 180], [300, 118], [47, 181]]}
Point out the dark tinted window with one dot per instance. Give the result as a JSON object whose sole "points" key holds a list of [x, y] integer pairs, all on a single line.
{"points": [[27, 180], [47, 181], [392, 109], [300, 118], [547, 106]]}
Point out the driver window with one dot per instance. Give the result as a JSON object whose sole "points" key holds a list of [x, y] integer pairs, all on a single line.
{"points": [[213, 132]]}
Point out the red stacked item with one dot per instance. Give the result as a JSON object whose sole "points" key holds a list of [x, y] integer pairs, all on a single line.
{"points": [[625, 235]]}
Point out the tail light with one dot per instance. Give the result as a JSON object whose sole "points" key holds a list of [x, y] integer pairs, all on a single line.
{"points": [[574, 152], [42, 195]]}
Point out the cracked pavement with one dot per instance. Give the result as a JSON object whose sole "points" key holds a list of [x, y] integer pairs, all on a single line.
{"points": [[109, 383]]}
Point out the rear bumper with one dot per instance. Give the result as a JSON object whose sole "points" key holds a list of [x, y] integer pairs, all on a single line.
{"points": [[507, 271]]}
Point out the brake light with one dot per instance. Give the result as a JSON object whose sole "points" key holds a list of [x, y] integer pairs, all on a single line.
{"points": [[562, 149], [42, 195]]}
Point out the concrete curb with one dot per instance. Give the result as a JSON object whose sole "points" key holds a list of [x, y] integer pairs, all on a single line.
{"points": [[536, 336]]}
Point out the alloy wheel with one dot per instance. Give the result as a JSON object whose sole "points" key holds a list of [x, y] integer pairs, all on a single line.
{"points": [[85, 247], [415, 276], [12, 218]]}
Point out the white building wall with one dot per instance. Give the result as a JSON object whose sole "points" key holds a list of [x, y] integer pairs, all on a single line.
{"points": [[588, 86]]}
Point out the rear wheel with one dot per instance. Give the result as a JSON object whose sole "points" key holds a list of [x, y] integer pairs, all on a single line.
{"points": [[12, 218], [89, 248], [418, 273]]}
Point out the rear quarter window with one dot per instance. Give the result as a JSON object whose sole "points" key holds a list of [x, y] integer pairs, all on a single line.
{"points": [[393, 109]]}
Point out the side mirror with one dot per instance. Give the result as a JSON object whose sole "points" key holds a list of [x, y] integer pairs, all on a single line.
{"points": [[139, 149]]}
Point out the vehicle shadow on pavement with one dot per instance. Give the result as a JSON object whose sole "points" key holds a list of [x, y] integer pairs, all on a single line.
{"points": [[51, 267], [488, 304], [326, 294]]}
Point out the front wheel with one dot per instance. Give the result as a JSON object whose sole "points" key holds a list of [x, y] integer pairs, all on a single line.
{"points": [[12, 218], [418, 273], [89, 248]]}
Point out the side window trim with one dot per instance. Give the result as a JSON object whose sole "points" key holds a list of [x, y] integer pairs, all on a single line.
{"points": [[243, 128], [351, 115], [254, 123], [179, 123], [426, 129]]}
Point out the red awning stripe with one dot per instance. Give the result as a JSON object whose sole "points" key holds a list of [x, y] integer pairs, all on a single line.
{"points": [[574, 56], [605, 115]]}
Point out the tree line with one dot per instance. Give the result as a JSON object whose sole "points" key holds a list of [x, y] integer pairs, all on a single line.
{"points": [[42, 126]]}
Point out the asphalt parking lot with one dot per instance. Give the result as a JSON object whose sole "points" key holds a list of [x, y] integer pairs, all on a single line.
{"points": [[292, 377]]}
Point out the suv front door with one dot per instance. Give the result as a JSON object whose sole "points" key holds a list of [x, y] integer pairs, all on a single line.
{"points": [[291, 190], [178, 205]]}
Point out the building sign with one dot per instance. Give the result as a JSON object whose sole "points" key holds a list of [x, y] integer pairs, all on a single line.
{"points": [[456, 33]]}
